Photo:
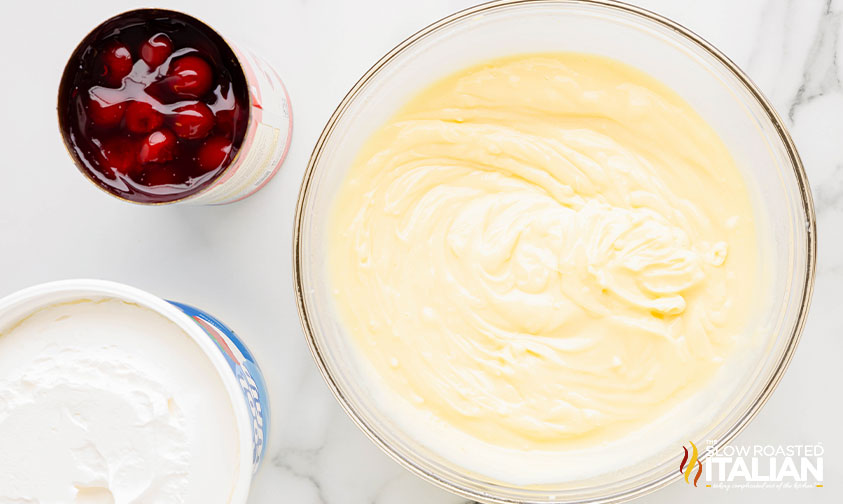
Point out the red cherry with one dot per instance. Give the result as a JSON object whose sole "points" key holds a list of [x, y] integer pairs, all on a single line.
{"points": [[158, 147], [213, 153], [156, 50], [193, 121], [227, 120], [116, 60], [141, 117], [118, 155], [105, 115], [189, 77]]}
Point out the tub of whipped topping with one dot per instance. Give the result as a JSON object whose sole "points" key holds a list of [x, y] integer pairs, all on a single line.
{"points": [[111, 394]]}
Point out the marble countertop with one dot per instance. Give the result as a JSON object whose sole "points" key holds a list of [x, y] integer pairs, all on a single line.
{"points": [[234, 261]]}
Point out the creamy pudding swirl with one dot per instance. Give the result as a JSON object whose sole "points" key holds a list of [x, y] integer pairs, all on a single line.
{"points": [[544, 251]]}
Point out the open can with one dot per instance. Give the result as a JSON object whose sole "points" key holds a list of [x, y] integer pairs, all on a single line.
{"points": [[257, 154]]}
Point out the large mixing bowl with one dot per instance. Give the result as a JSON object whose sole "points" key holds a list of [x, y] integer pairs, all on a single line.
{"points": [[704, 77]]}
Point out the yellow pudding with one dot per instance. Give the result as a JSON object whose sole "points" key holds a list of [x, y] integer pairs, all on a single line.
{"points": [[544, 252]]}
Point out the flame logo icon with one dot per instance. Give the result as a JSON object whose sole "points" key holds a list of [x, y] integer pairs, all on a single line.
{"points": [[689, 468]]}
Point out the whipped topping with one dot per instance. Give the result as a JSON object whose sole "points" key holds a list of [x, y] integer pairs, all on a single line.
{"points": [[107, 402]]}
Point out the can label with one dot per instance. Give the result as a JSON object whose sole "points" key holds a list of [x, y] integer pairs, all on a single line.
{"points": [[267, 139], [245, 370]]}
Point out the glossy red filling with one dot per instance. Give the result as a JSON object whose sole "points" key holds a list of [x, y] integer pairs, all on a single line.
{"points": [[154, 105]]}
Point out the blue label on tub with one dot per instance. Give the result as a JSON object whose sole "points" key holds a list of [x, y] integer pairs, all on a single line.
{"points": [[245, 369]]}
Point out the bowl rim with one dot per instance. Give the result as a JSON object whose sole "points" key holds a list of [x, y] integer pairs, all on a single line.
{"points": [[623, 8]]}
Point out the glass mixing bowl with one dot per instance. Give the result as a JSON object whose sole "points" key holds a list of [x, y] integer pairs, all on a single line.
{"points": [[704, 77]]}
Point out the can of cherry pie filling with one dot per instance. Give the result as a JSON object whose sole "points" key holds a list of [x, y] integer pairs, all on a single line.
{"points": [[267, 139], [156, 107]]}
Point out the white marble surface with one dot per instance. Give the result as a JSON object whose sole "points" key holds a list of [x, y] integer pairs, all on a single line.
{"points": [[234, 261]]}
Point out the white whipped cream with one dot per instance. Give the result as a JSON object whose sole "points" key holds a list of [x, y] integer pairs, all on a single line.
{"points": [[107, 402]]}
